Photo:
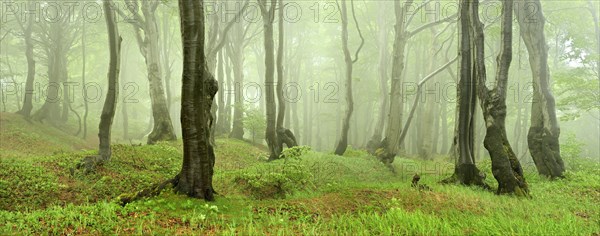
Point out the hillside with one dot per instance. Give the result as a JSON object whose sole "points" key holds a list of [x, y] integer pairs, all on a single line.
{"points": [[308, 192], [19, 137]]}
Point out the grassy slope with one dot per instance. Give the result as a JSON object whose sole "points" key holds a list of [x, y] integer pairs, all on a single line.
{"points": [[18, 135], [353, 194]]}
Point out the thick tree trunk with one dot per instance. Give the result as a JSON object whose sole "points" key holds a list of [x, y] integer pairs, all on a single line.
{"points": [[505, 165], [236, 55], [543, 136], [429, 119], [28, 101], [375, 141], [110, 103], [465, 172], [198, 91], [394, 127], [50, 109], [163, 127]]}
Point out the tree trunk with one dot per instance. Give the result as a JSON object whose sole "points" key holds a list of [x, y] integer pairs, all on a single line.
{"points": [[465, 172], [343, 142], [543, 136], [394, 127], [28, 101], [271, 131], [85, 96], [236, 56], [505, 165], [375, 141], [56, 60], [110, 103], [198, 91], [284, 135], [163, 128], [222, 126]]}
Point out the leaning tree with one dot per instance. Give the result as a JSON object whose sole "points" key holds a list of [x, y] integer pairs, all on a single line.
{"points": [[544, 131]]}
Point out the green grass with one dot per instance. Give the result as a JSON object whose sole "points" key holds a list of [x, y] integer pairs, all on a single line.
{"points": [[353, 194], [19, 137]]}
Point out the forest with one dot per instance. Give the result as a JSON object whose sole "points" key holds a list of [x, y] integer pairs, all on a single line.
{"points": [[322, 117]]}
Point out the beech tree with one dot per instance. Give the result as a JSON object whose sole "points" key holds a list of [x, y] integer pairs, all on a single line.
{"points": [[147, 33], [197, 95], [343, 141], [27, 29], [505, 166], [544, 131]]}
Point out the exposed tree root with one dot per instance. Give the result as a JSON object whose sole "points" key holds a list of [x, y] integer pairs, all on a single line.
{"points": [[467, 174], [88, 164], [152, 191]]}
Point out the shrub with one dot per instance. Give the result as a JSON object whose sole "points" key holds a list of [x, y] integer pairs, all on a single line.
{"points": [[276, 179]]}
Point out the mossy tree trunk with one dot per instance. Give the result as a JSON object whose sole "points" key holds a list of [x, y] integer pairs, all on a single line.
{"points": [[544, 131], [505, 165]]}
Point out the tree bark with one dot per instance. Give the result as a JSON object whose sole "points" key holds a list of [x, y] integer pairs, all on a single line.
{"points": [[284, 135], [83, 64], [198, 91], [27, 100], [465, 172], [236, 56], [544, 132], [390, 144], [149, 48], [375, 141], [271, 131], [505, 166], [110, 103], [343, 142]]}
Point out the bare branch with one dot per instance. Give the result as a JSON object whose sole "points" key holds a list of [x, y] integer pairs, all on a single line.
{"points": [[425, 26], [362, 39], [213, 51]]}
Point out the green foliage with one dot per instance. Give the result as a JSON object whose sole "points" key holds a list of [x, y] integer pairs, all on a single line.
{"points": [[254, 121], [276, 179], [571, 150], [295, 152], [305, 193], [352, 152], [577, 91]]}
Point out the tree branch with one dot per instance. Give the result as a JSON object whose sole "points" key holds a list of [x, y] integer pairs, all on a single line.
{"points": [[222, 39], [362, 39], [431, 24]]}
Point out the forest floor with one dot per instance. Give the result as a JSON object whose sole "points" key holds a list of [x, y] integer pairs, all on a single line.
{"points": [[306, 193]]}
